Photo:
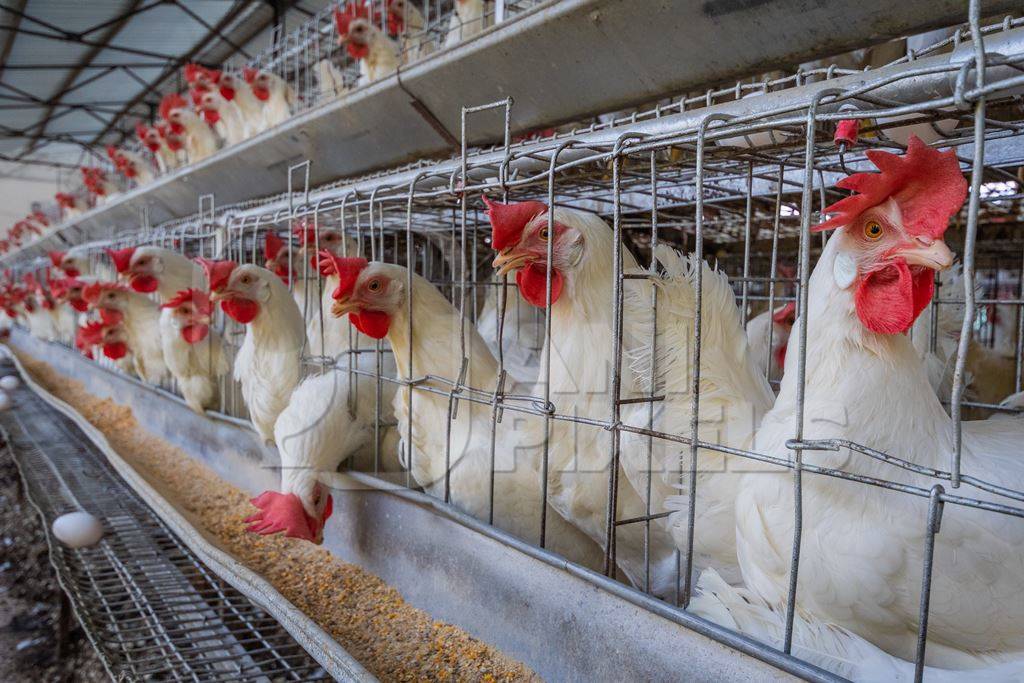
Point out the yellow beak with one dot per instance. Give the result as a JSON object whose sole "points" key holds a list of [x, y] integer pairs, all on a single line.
{"points": [[508, 260], [340, 308], [936, 255]]}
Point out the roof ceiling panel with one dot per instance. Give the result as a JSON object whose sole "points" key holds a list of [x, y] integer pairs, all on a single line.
{"points": [[78, 122], [40, 84], [165, 29], [116, 86], [75, 15], [38, 50], [20, 118]]}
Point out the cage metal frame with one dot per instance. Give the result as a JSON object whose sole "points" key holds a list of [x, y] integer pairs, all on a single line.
{"points": [[408, 214]]}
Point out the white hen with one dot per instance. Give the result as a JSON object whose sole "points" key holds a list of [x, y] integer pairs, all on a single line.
{"points": [[582, 357], [863, 547], [451, 455], [268, 364]]}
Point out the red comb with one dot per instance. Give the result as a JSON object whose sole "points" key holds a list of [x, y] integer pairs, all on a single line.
{"points": [[353, 11], [509, 220], [785, 314], [122, 258], [197, 297], [346, 268], [141, 131], [91, 292], [56, 257], [272, 246], [250, 74], [281, 512], [171, 101], [217, 272], [396, 20], [192, 72], [927, 185], [305, 232], [89, 334]]}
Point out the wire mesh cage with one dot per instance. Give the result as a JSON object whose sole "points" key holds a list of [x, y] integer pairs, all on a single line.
{"points": [[582, 403]]}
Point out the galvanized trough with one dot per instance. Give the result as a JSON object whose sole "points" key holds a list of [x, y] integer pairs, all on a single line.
{"points": [[565, 622]]}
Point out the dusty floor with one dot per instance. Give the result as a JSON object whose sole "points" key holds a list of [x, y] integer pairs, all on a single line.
{"points": [[28, 599], [392, 639]]}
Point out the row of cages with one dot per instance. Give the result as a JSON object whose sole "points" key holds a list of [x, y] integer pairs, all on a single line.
{"points": [[301, 70], [315, 68], [586, 394]]}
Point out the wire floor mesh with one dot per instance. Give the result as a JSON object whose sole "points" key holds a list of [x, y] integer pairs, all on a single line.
{"points": [[150, 608]]}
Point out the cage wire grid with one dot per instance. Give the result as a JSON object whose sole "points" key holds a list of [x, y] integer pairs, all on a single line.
{"points": [[741, 190], [151, 609]]}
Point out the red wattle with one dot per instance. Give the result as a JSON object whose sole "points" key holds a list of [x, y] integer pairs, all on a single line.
{"points": [[212, 116], [144, 283], [110, 316], [886, 299], [72, 272], [227, 93], [780, 356], [924, 287], [373, 324], [80, 305], [115, 350], [358, 51], [242, 310], [177, 128], [196, 333], [532, 281], [261, 94]]}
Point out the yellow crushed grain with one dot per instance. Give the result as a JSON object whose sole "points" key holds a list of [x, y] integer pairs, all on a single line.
{"points": [[369, 618]]}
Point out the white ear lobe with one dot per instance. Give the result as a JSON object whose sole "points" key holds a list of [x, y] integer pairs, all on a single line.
{"points": [[844, 270]]}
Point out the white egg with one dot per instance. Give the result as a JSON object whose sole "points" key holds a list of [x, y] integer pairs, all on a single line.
{"points": [[10, 382], [77, 529], [5, 400]]}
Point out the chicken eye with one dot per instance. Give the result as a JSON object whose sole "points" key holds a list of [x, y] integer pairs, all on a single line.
{"points": [[544, 233], [245, 280], [872, 230], [373, 286]]}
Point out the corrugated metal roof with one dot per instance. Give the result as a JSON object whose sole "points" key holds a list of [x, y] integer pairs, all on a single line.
{"points": [[75, 73]]}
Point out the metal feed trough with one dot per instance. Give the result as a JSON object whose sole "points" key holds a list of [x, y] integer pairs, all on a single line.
{"points": [[736, 175], [150, 606]]}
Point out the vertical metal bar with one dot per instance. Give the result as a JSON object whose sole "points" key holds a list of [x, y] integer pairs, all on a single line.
{"points": [[652, 376], [977, 172], [804, 274], [773, 270], [1019, 342], [611, 514], [616, 369], [698, 289], [747, 216], [935, 505]]}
